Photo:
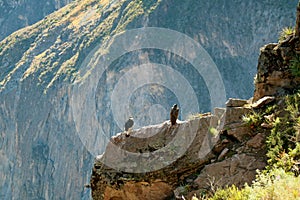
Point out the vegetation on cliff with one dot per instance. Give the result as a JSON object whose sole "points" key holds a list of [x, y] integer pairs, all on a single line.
{"points": [[275, 185], [280, 121], [281, 178], [52, 50]]}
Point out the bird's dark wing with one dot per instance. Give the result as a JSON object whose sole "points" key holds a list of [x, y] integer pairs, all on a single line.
{"points": [[128, 124]]}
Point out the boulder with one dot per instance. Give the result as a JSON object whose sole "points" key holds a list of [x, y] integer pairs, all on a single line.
{"points": [[239, 131], [235, 115], [232, 102], [257, 141], [238, 169], [262, 102]]}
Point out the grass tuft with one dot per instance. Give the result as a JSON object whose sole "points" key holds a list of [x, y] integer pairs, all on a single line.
{"points": [[285, 33]]}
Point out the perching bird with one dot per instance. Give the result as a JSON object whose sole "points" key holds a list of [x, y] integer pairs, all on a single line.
{"points": [[174, 114], [129, 123]]}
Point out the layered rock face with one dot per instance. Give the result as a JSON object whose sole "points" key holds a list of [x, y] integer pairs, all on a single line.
{"points": [[274, 74]]}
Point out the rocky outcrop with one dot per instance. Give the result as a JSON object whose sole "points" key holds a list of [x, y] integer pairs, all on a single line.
{"points": [[151, 155], [219, 147], [274, 75]]}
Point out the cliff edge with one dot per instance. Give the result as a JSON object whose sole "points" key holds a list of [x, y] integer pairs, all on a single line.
{"points": [[152, 162]]}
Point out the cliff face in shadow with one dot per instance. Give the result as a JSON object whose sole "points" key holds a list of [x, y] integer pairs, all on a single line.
{"points": [[58, 111]]}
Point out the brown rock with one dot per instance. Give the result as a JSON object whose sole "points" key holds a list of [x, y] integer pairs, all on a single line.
{"points": [[238, 170], [223, 154], [262, 102], [266, 125], [220, 146], [270, 46], [239, 131], [261, 89], [297, 26], [235, 102], [257, 141], [235, 115], [277, 78], [273, 75], [140, 191], [219, 112]]}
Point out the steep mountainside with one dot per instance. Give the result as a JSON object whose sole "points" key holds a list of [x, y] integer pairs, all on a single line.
{"points": [[16, 14], [67, 84]]}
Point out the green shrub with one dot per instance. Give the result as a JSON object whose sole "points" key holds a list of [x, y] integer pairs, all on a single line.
{"points": [[283, 152], [285, 33], [295, 66], [282, 143], [253, 119], [274, 185], [232, 193]]}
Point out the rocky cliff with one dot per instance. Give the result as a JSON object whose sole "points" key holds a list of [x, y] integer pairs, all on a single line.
{"points": [[210, 150], [277, 78], [69, 82], [15, 15]]}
